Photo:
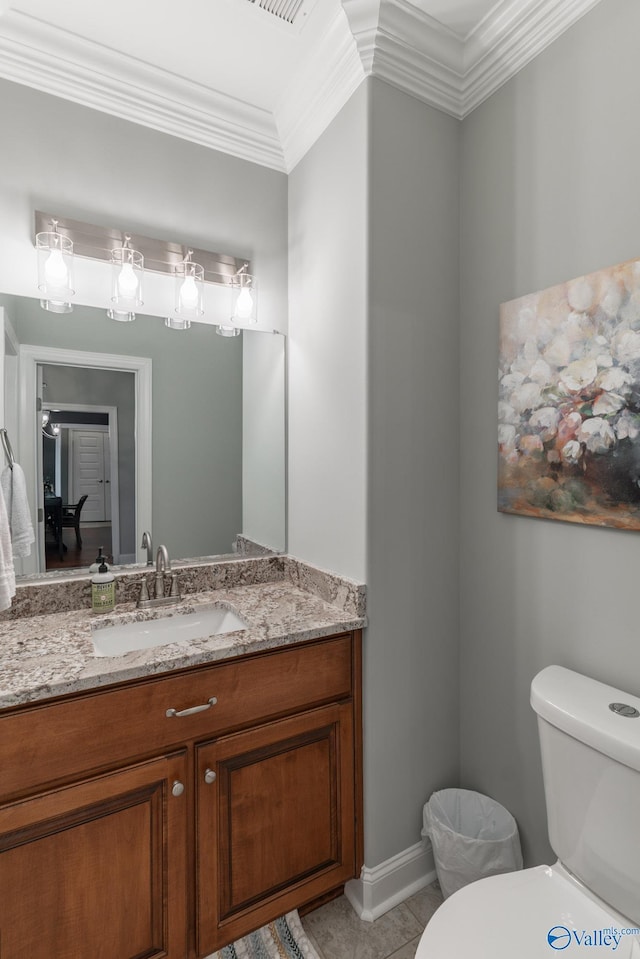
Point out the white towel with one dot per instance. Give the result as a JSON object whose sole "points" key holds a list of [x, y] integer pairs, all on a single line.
{"points": [[14, 489], [7, 574]]}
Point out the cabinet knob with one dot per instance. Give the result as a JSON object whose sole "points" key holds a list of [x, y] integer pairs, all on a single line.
{"points": [[209, 776], [177, 789]]}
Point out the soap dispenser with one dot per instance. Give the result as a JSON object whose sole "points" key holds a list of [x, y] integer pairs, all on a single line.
{"points": [[103, 589], [95, 566]]}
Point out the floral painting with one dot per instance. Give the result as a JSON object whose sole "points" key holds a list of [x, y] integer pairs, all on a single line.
{"points": [[569, 401]]}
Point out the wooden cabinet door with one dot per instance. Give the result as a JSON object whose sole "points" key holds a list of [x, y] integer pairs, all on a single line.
{"points": [[276, 824], [97, 868]]}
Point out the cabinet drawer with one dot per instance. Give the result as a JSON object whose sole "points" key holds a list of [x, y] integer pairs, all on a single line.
{"points": [[59, 740]]}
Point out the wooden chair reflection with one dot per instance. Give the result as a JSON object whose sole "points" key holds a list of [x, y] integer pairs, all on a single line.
{"points": [[71, 517]]}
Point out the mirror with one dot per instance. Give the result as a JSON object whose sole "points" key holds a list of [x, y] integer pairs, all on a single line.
{"points": [[198, 461]]}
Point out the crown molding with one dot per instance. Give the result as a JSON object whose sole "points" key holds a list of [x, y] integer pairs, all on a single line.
{"points": [[426, 59], [57, 62], [363, 17], [391, 39], [319, 90], [419, 55], [503, 43]]}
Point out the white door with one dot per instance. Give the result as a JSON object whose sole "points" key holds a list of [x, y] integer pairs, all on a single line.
{"points": [[90, 472]]}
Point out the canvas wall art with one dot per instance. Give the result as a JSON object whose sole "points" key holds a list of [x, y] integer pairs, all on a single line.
{"points": [[569, 401]]}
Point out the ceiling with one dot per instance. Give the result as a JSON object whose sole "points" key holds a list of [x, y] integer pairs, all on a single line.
{"points": [[234, 75]]}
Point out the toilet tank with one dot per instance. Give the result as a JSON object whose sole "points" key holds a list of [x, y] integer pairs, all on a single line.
{"points": [[591, 768]]}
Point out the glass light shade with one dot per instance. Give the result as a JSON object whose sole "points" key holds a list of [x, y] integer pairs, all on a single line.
{"points": [[121, 317], [228, 330], [127, 271], [55, 271], [176, 323], [244, 302], [189, 284]]}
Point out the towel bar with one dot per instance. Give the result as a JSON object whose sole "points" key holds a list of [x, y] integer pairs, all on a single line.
{"points": [[4, 436]]}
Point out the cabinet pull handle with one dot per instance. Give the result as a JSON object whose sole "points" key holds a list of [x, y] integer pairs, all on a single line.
{"points": [[192, 709], [209, 776], [177, 789]]}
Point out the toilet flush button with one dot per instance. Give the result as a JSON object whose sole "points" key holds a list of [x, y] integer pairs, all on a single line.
{"points": [[623, 709]]}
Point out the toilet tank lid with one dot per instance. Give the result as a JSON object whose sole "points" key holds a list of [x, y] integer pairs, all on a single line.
{"points": [[579, 706]]}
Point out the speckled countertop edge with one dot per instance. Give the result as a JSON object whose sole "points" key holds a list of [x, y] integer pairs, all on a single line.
{"points": [[51, 654]]}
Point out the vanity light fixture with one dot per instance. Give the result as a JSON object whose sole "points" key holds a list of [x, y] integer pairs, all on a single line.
{"points": [[55, 269], [127, 271], [189, 281], [133, 255]]}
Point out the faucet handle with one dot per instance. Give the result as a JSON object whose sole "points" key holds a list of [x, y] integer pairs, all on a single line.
{"points": [[175, 587], [144, 591]]}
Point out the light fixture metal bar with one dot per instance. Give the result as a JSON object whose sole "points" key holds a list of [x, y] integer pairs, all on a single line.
{"points": [[160, 256]]}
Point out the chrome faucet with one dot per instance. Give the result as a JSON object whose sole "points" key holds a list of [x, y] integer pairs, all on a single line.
{"points": [[147, 544], [163, 566]]}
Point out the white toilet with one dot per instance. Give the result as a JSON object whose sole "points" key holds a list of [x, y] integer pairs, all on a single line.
{"points": [[588, 903]]}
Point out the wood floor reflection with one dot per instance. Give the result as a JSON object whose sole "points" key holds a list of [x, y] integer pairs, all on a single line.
{"points": [[93, 537]]}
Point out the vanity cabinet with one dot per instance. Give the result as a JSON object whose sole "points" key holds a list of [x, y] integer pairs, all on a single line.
{"points": [[168, 816]]}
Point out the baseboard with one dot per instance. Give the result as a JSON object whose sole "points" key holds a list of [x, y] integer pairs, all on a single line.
{"points": [[380, 889]]}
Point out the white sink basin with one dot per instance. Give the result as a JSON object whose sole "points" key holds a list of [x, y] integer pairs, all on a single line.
{"points": [[127, 637]]}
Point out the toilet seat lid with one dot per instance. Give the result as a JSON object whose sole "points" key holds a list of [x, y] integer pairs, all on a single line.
{"points": [[537, 913]]}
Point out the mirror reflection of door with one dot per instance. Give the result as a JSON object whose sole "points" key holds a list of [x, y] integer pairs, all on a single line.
{"points": [[80, 482], [76, 463], [90, 473]]}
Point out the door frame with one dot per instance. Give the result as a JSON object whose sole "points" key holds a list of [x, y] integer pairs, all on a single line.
{"points": [[29, 358]]}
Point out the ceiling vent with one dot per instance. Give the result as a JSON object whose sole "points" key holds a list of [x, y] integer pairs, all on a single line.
{"points": [[286, 13]]}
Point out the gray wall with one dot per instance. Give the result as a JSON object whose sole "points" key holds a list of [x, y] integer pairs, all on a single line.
{"points": [[549, 192], [373, 213], [411, 653]]}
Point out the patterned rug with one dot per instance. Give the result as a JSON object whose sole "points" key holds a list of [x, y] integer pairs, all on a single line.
{"points": [[283, 939]]}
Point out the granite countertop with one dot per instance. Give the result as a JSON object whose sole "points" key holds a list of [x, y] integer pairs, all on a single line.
{"points": [[52, 654]]}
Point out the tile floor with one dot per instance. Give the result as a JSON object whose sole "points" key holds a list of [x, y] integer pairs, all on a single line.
{"points": [[336, 932]]}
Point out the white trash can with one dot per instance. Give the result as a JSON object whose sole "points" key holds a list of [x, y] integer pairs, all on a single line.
{"points": [[472, 837]]}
